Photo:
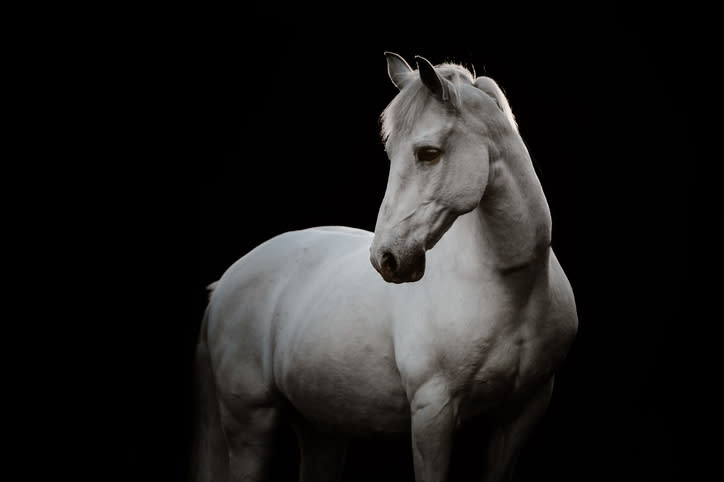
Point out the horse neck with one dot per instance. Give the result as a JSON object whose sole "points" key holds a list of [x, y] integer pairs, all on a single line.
{"points": [[510, 230]]}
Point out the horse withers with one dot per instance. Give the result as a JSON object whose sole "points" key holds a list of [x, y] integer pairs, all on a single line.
{"points": [[456, 308]]}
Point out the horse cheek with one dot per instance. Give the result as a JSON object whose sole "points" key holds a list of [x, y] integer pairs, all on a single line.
{"points": [[471, 188]]}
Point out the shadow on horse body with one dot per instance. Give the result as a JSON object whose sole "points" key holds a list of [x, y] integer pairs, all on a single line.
{"points": [[456, 308]]}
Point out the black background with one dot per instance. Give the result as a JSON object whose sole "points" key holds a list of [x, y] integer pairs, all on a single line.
{"points": [[269, 122]]}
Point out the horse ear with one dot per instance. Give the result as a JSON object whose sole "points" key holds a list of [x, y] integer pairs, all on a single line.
{"points": [[397, 69], [432, 79]]}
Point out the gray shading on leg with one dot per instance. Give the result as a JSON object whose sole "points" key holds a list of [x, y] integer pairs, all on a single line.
{"points": [[209, 460], [432, 413], [508, 438], [322, 455], [250, 438]]}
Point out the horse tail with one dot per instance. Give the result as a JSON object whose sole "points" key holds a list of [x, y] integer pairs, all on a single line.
{"points": [[211, 287], [209, 457]]}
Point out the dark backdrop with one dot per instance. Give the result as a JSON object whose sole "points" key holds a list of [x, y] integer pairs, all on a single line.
{"points": [[276, 128]]}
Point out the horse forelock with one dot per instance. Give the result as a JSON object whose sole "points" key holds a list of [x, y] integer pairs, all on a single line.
{"points": [[402, 112]]}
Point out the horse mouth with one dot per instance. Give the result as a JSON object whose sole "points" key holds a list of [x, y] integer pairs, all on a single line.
{"points": [[412, 278], [403, 271]]}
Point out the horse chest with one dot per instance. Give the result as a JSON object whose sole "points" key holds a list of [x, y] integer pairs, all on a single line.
{"points": [[504, 370], [486, 367], [495, 354]]}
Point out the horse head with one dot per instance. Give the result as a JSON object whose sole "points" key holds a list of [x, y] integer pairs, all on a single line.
{"points": [[440, 135]]}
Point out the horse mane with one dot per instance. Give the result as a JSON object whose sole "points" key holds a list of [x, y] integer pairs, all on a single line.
{"points": [[407, 106]]}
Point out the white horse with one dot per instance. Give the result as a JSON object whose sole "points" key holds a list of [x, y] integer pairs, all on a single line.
{"points": [[470, 318]]}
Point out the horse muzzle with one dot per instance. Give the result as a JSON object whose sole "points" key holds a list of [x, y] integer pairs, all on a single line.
{"points": [[398, 268]]}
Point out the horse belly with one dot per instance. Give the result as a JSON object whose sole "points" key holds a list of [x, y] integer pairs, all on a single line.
{"points": [[344, 380], [318, 307]]}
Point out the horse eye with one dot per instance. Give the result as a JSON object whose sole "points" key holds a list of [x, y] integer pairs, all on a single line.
{"points": [[428, 154]]}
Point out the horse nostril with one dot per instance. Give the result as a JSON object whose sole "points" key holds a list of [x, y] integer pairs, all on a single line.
{"points": [[388, 263]]}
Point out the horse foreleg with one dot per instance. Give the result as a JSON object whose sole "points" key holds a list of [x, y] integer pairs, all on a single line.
{"points": [[322, 455], [432, 413], [509, 437]]}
